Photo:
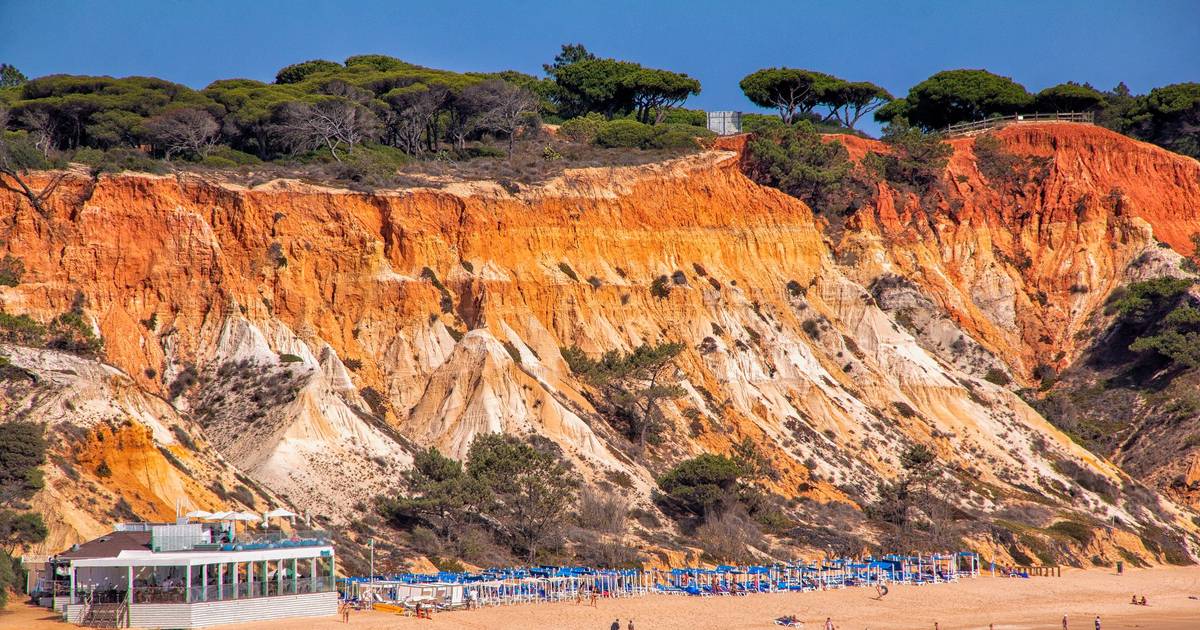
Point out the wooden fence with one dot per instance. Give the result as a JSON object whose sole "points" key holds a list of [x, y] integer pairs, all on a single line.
{"points": [[1043, 571], [980, 126]]}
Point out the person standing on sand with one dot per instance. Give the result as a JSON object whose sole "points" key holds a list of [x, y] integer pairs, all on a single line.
{"points": [[1097, 622], [1064, 622], [630, 626], [829, 624], [596, 596], [616, 624]]}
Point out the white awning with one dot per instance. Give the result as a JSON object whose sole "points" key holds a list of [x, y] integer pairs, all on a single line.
{"points": [[145, 558]]}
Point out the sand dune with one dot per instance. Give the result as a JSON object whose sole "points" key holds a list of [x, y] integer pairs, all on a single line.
{"points": [[1010, 604]]}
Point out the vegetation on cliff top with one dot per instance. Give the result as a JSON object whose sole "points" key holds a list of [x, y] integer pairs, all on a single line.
{"points": [[1166, 115], [361, 120]]}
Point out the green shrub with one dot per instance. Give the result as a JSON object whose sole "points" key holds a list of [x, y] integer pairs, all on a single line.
{"points": [[11, 270], [583, 129], [216, 161], [689, 117], [798, 161], [917, 159], [240, 158], [290, 358], [20, 329], [997, 376], [669, 136], [482, 151], [1139, 297], [624, 133], [88, 155], [661, 287], [370, 165], [703, 484], [1077, 531], [121, 159], [566, 269]]}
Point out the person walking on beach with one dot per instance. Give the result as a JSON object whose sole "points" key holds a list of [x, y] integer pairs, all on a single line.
{"points": [[630, 626], [1064, 622], [1097, 622], [616, 624], [596, 596], [829, 624], [346, 612]]}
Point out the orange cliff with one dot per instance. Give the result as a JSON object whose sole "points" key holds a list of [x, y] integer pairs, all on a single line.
{"points": [[315, 335], [1024, 270]]}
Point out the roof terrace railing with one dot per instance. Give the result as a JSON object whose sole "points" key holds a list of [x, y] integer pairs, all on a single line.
{"points": [[276, 539], [980, 126]]}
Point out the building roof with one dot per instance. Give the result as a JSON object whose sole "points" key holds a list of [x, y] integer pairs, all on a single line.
{"points": [[147, 558], [108, 546]]}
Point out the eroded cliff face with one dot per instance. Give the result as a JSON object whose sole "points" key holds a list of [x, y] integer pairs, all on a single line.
{"points": [[313, 338], [1022, 269]]}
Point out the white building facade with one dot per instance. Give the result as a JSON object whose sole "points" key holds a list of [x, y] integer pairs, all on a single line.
{"points": [[121, 581]]}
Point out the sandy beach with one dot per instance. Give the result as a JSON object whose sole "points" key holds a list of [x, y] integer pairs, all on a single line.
{"points": [[1010, 604]]}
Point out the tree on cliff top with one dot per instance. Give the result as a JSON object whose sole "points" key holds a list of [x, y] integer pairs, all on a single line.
{"points": [[791, 91], [183, 131], [332, 124], [657, 91], [298, 72], [10, 76], [586, 83], [955, 96], [1068, 97], [849, 101], [18, 156]]}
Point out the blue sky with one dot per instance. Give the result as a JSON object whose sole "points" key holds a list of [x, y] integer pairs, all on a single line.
{"points": [[894, 44]]}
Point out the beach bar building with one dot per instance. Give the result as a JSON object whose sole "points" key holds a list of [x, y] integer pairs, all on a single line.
{"points": [[193, 575]]}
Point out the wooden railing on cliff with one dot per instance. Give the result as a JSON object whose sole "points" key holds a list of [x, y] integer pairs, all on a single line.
{"points": [[980, 126]]}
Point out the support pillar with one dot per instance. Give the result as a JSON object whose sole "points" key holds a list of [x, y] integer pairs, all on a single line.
{"points": [[295, 577], [129, 584], [235, 580], [265, 584], [250, 579], [312, 574], [221, 581], [71, 573], [187, 592]]}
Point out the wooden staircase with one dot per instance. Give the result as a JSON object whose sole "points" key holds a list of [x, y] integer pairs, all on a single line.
{"points": [[108, 615]]}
